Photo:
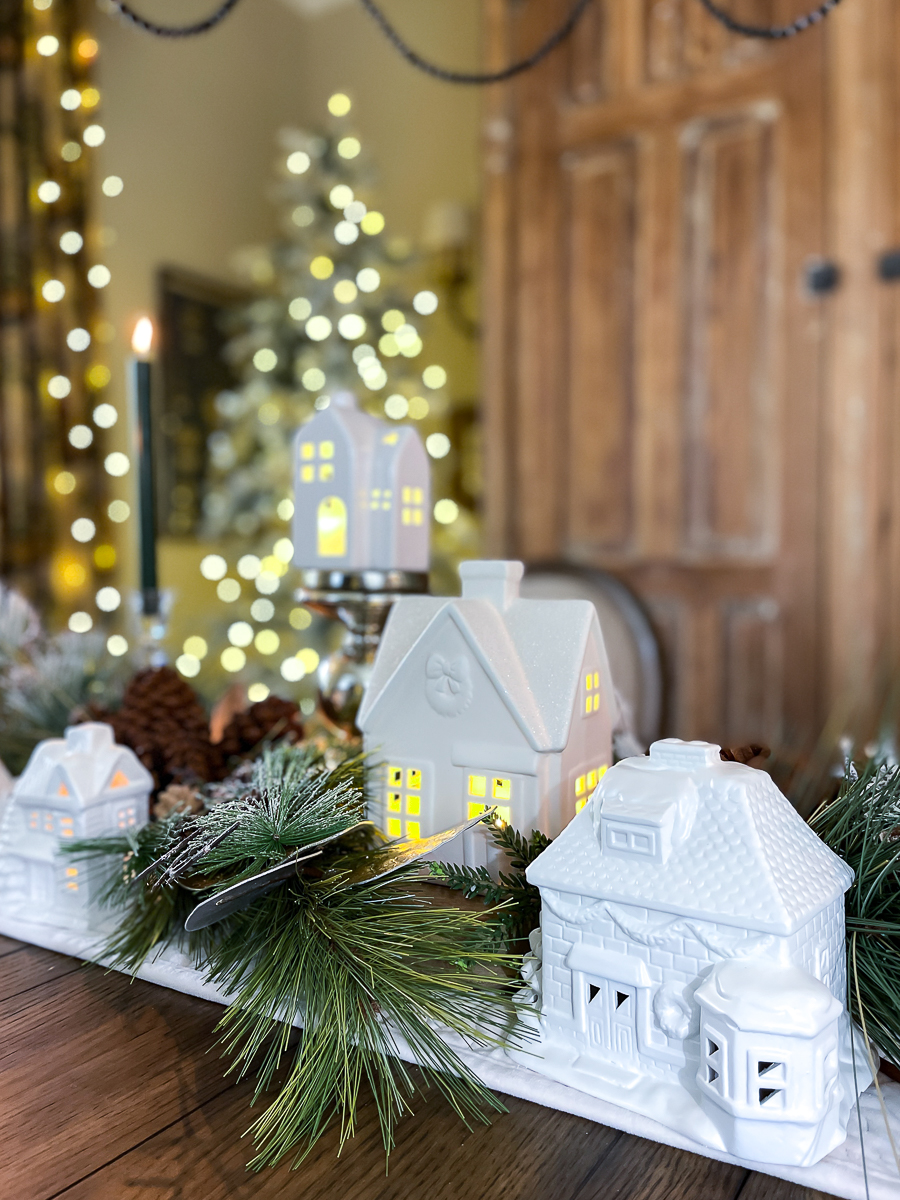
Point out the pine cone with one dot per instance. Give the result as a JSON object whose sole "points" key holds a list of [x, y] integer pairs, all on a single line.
{"points": [[750, 756], [164, 723], [273, 719], [177, 798]]}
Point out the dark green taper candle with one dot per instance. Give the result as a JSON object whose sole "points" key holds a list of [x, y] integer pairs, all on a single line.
{"points": [[141, 342]]}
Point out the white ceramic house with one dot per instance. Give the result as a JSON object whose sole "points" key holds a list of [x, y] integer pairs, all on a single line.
{"points": [[692, 943], [80, 786], [362, 492], [488, 699]]}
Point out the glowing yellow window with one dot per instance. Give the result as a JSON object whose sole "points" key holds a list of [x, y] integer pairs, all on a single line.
{"points": [[579, 785], [475, 809], [395, 828], [307, 474], [417, 516], [501, 789], [504, 814], [407, 495], [414, 779], [326, 449], [390, 439], [417, 495], [72, 886], [326, 471], [596, 679], [395, 775], [579, 804], [72, 872], [588, 704], [477, 785], [592, 779], [597, 702], [412, 829], [62, 790], [120, 779], [413, 806], [407, 516], [307, 450], [587, 681], [331, 521], [394, 802]]}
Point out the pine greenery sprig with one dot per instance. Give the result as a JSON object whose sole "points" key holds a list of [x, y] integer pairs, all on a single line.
{"points": [[151, 917], [366, 965], [518, 902], [291, 801], [862, 825], [371, 967]]}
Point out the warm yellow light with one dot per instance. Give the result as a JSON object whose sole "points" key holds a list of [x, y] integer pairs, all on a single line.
{"points": [[64, 483], [196, 646], [339, 104], [267, 641], [300, 618], [105, 557], [87, 49], [142, 338], [309, 658], [321, 267]]}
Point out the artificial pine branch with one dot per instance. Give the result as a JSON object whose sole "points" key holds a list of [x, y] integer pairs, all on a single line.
{"points": [[517, 902], [862, 825], [371, 967]]}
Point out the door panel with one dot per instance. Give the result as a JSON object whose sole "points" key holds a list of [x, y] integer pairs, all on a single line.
{"points": [[654, 361]]}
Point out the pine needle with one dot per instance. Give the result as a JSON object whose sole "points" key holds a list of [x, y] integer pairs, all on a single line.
{"points": [[516, 901], [862, 825]]}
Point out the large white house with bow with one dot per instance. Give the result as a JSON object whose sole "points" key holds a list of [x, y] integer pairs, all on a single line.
{"points": [[487, 699]]}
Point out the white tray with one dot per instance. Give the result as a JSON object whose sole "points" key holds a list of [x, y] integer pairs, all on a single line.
{"points": [[840, 1173]]}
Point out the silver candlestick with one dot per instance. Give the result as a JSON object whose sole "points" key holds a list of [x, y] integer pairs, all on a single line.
{"points": [[361, 601]]}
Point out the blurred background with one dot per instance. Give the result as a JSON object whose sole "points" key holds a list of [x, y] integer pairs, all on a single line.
{"points": [[662, 354]]}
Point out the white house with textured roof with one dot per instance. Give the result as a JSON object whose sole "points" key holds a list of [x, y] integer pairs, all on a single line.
{"points": [[362, 492], [692, 945], [487, 699], [80, 786]]}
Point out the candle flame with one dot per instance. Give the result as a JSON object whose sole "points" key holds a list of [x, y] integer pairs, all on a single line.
{"points": [[142, 338]]}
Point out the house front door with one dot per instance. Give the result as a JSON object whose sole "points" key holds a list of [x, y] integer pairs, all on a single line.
{"points": [[612, 1016]]}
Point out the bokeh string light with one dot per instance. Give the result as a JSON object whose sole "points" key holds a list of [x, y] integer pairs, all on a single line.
{"points": [[71, 329]]}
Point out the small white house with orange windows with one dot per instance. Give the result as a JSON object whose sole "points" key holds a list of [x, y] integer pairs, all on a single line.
{"points": [[362, 492], [79, 786], [487, 699]]}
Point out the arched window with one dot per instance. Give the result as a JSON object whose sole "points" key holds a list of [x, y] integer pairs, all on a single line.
{"points": [[331, 526]]}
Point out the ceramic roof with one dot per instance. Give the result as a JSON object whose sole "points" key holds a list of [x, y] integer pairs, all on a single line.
{"points": [[86, 760], [533, 650], [747, 858]]}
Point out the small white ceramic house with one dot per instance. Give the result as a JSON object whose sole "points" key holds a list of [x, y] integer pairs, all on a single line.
{"points": [[80, 786], [362, 492], [692, 944], [488, 699]]}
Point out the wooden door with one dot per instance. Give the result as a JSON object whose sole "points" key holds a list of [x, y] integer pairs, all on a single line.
{"points": [[655, 192]]}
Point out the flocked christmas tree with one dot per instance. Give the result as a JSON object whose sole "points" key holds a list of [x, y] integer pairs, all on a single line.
{"points": [[341, 307]]}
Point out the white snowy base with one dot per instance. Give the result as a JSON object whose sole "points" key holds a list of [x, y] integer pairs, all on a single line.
{"points": [[840, 1173]]}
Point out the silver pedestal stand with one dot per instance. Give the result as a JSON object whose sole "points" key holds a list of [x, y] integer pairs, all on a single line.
{"points": [[361, 600]]}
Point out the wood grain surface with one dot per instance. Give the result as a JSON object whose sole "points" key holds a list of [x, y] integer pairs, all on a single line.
{"points": [[113, 1090]]}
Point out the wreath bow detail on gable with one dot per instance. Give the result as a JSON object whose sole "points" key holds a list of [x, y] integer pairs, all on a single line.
{"points": [[448, 684]]}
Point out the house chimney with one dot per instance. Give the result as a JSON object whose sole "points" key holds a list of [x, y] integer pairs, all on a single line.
{"points": [[491, 579], [89, 738]]}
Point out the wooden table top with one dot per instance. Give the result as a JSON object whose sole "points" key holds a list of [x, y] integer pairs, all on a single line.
{"points": [[112, 1090]]}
